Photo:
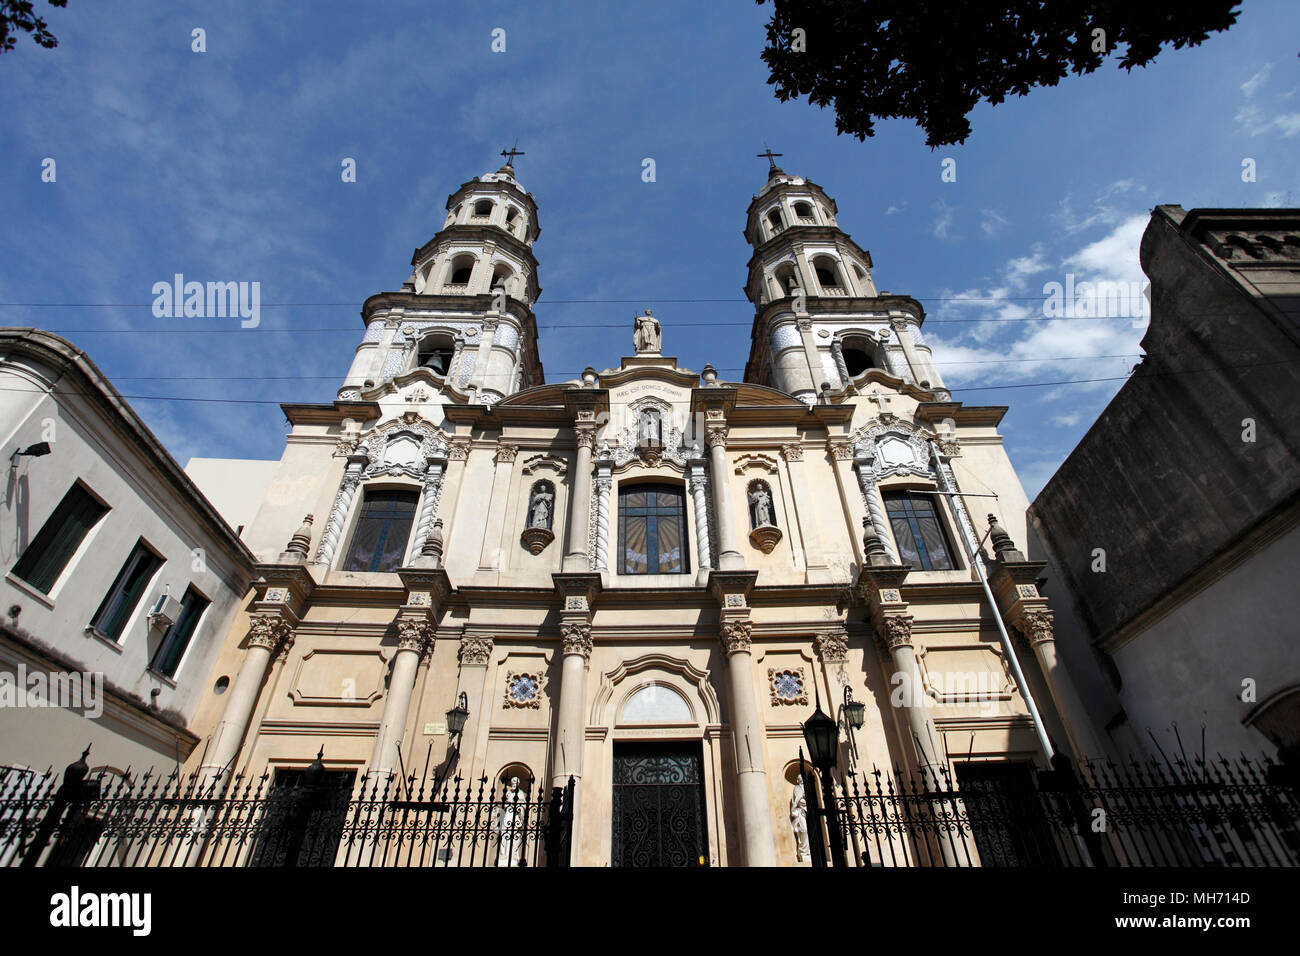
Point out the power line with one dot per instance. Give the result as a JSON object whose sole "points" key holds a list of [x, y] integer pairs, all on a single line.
{"points": [[971, 388]]}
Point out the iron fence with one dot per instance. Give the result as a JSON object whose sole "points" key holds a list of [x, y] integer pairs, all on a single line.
{"points": [[294, 819], [1190, 812]]}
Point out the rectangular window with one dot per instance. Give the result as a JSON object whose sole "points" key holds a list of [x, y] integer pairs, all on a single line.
{"points": [[54, 545], [918, 531], [123, 598], [177, 638], [652, 530], [382, 532]]}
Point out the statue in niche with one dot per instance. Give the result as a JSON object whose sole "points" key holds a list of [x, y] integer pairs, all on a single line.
{"points": [[651, 430], [646, 334], [510, 826], [539, 512], [762, 504], [799, 820]]}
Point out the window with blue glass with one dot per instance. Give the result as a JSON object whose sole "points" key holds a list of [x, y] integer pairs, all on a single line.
{"points": [[382, 532], [918, 531], [652, 530]]}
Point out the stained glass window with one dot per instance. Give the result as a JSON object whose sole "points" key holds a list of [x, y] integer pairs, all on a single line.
{"points": [[379, 541], [918, 531], [652, 530]]}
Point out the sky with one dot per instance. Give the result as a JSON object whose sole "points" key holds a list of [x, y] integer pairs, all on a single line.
{"points": [[226, 165]]}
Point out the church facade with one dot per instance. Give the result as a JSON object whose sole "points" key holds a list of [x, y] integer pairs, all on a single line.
{"points": [[648, 576]]}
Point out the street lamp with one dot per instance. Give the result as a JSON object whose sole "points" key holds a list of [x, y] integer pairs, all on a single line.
{"points": [[822, 735], [457, 715], [31, 451], [852, 715]]}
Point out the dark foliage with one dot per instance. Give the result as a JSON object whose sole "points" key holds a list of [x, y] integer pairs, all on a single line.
{"points": [[16, 15], [934, 61]]}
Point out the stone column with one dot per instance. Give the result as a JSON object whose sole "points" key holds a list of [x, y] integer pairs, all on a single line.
{"points": [[729, 559], [814, 559], [477, 377], [329, 539], [895, 637], [699, 483], [429, 503], [916, 368], [604, 483], [577, 645], [268, 635], [475, 655], [1038, 630], [575, 554], [490, 552], [413, 639], [747, 735], [862, 464]]}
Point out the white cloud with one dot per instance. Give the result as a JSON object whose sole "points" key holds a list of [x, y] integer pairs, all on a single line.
{"points": [[992, 223], [894, 209], [942, 221], [1256, 81]]}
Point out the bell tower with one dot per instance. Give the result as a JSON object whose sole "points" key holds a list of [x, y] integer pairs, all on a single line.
{"points": [[820, 323], [464, 318]]}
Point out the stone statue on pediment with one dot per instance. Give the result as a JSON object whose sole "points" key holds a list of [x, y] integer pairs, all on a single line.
{"points": [[646, 334]]}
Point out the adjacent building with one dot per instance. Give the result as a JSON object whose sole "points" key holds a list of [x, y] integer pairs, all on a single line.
{"points": [[1172, 527], [120, 579]]}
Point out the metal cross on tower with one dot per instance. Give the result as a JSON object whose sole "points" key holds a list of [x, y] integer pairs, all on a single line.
{"points": [[771, 156], [510, 155]]}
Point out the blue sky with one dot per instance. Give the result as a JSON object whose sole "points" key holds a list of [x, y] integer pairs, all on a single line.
{"points": [[225, 165]]}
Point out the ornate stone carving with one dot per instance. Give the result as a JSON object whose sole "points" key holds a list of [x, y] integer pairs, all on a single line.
{"points": [[716, 435], [413, 635], [475, 650], [269, 632], [737, 636], [897, 632], [765, 538], [786, 686], [792, 451], [524, 690], [506, 452], [832, 646], [458, 450], [535, 540], [840, 450], [575, 638], [586, 438], [1037, 627]]}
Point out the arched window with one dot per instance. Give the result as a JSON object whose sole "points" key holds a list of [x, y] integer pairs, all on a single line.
{"points": [[382, 531], [435, 352], [857, 354], [804, 211], [511, 214], [656, 704], [762, 506], [652, 530], [785, 277], [774, 220], [501, 276], [541, 505], [828, 276], [483, 208], [462, 267], [918, 531]]}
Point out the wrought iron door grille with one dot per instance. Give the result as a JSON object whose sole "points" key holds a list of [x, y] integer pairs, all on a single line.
{"points": [[658, 805]]}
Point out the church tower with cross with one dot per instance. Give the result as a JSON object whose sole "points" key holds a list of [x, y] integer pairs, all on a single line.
{"points": [[643, 577], [462, 324], [806, 271]]}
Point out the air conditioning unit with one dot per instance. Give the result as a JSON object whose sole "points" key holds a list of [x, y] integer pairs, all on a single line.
{"points": [[165, 612]]}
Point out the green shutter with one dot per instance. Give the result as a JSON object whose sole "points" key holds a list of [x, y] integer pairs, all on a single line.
{"points": [[53, 547]]}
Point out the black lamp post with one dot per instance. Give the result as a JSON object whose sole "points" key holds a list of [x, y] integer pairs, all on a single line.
{"points": [[852, 714], [457, 715], [31, 451], [822, 735]]}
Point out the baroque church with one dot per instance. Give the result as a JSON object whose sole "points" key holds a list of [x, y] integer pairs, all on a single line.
{"points": [[645, 580]]}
